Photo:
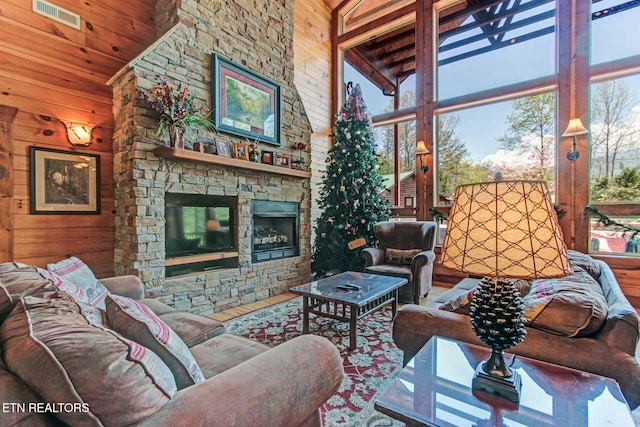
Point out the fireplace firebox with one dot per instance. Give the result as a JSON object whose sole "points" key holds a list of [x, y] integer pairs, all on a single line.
{"points": [[274, 230]]}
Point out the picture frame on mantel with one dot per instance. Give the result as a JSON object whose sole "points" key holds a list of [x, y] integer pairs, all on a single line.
{"points": [[63, 182], [246, 103]]}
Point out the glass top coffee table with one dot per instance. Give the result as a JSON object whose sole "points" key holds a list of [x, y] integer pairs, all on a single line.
{"points": [[434, 389], [347, 297]]}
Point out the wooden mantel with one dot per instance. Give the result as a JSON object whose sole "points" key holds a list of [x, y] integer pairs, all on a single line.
{"points": [[196, 156]]}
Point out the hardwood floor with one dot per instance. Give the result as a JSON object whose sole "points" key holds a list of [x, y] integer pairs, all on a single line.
{"points": [[231, 313]]}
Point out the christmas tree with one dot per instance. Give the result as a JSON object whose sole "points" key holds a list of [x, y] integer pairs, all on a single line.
{"points": [[350, 196]]}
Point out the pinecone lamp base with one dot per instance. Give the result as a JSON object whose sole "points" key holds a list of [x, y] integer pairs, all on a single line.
{"points": [[496, 317]]}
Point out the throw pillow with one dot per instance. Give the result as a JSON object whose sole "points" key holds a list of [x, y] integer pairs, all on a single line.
{"points": [[62, 358], [572, 306], [137, 322], [17, 281], [584, 261], [400, 256], [78, 273], [460, 304]]}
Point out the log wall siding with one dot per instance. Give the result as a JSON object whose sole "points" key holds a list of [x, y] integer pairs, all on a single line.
{"points": [[49, 74]]}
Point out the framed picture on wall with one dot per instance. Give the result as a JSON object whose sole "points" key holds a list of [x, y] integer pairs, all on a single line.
{"points": [[246, 103], [63, 182]]}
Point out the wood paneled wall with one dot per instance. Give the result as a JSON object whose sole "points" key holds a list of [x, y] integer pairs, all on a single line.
{"points": [[312, 50], [51, 74]]}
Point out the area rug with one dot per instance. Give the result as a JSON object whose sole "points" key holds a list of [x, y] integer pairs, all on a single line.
{"points": [[368, 369]]}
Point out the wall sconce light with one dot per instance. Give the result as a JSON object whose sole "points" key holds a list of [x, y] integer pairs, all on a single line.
{"points": [[421, 149], [79, 134], [574, 129]]}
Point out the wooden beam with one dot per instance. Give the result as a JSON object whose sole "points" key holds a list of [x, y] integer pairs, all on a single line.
{"points": [[499, 31], [394, 116], [7, 115], [392, 21]]}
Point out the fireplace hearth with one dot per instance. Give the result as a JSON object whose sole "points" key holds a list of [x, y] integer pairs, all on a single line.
{"points": [[274, 230]]}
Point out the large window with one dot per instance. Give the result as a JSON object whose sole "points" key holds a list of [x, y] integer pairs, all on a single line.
{"points": [[615, 125], [501, 83], [506, 50]]}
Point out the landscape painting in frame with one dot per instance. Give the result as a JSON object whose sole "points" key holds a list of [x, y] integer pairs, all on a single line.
{"points": [[63, 182], [246, 103]]}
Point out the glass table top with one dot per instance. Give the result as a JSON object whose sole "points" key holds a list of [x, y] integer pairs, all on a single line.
{"points": [[370, 286], [434, 389]]}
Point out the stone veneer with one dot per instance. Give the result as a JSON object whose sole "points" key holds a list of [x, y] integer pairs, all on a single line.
{"points": [[253, 35]]}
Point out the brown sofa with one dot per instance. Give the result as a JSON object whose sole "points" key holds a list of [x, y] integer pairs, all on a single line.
{"points": [[405, 249], [246, 383], [608, 351]]}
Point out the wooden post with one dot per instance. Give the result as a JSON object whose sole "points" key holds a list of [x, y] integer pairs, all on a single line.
{"points": [[7, 115], [424, 104], [573, 95]]}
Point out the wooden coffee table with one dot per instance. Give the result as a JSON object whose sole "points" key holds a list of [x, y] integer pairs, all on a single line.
{"points": [[347, 297], [434, 389]]}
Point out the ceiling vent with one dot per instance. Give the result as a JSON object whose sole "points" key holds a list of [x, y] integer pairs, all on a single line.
{"points": [[57, 13]]}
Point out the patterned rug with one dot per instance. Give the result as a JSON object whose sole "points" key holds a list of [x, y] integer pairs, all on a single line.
{"points": [[368, 369]]}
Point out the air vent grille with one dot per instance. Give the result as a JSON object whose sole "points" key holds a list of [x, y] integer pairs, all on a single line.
{"points": [[57, 13]]}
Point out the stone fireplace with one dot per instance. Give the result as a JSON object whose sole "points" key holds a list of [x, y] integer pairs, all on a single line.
{"points": [[146, 171]]}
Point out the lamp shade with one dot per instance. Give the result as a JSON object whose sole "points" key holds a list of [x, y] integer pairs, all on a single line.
{"points": [[505, 229], [575, 128], [421, 148]]}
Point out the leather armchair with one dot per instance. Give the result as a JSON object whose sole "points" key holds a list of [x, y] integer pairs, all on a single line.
{"points": [[404, 235]]}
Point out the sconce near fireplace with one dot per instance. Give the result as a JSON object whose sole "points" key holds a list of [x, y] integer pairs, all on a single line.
{"points": [[421, 149], [79, 134]]}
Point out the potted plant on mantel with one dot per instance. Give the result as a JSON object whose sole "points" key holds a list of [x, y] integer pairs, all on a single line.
{"points": [[180, 114]]}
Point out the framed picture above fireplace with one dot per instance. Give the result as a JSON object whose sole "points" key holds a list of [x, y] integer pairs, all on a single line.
{"points": [[246, 103]]}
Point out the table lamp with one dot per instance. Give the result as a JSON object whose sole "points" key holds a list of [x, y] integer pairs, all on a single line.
{"points": [[502, 230]]}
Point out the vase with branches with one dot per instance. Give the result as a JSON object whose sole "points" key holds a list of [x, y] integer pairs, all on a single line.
{"points": [[180, 115]]}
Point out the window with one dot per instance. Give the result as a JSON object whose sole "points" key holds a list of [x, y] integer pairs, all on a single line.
{"points": [[615, 161], [614, 30], [521, 34], [407, 161], [615, 140], [615, 125], [505, 140]]}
